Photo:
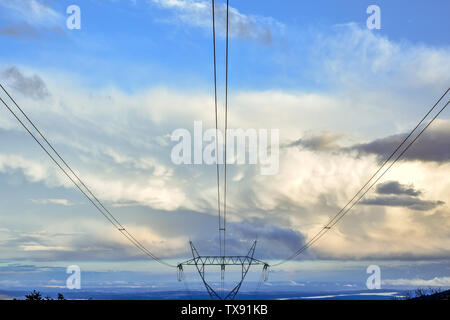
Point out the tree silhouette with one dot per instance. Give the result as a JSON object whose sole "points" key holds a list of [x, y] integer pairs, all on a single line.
{"points": [[35, 295]]}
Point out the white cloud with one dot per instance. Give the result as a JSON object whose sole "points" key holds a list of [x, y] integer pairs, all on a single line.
{"points": [[154, 190], [295, 284], [63, 202], [33, 170], [44, 248], [29, 18], [416, 282], [198, 13], [87, 239], [357, 58], [33, 12]]}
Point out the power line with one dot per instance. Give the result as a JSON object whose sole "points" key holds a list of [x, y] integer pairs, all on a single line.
{"points": [[94, 200], [217, 128], [351, 204], [222, 215], [226, 128]]}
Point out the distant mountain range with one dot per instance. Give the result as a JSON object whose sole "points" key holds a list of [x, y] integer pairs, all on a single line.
{"points": [[445, 295], [120, 294]]}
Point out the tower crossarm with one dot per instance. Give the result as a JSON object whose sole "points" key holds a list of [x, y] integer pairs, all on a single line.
{"points": [[222, 260]]}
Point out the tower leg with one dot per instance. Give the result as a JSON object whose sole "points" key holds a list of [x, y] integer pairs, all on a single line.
{"points": [[201, 271], [245, 268]]}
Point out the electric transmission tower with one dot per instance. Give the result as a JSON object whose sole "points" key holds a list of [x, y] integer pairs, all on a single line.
{"points": [[200, 263]]}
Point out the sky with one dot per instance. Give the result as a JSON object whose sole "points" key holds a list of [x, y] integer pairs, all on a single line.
{"points": [[109, 95]]}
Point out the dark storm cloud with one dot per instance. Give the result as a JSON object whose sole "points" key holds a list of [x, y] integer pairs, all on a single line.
{"points": [[432, 145], [273, 241], [395, 194], [394, 187], [31, 86], [403, 201], [321, 142]]}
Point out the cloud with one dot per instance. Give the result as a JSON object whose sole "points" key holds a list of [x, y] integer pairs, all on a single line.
{"points": [[273, 241], [295, 284], [318, 142], [403, 201], [433, 145], [417, 282], [394, 187], [356, 58], [118, 152], [33, 170], [63, 202], [308, 190], [32, 86], [153, 189], [29, 18], [198, 13], [395, 194], [44, 248], [89, 239], [34, 12]]}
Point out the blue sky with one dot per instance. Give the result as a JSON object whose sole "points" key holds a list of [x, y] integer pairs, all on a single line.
{"points": [[164, 51], [110, 94]]}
